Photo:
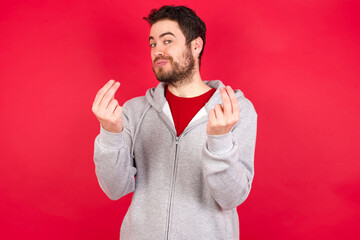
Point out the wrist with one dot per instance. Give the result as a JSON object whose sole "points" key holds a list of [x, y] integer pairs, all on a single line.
{"points": [[219, 144], [110, 139]]}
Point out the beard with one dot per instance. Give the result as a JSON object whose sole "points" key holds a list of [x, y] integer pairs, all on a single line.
{"points": [[181, 71]]}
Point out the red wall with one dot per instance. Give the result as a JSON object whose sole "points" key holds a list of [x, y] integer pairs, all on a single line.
{"points": [[297, 61]]}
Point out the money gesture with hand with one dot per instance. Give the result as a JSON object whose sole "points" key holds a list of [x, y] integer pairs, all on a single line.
{"points": [[223, 118], [107, 109]]}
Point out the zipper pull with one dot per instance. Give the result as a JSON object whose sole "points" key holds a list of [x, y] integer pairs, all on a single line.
{"points": [[176, 140]]}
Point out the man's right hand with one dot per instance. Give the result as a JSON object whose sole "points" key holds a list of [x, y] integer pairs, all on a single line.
{"points": [[107, 109]]}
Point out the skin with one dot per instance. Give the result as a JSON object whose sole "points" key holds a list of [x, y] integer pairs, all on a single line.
{"points": [[168, 42], [174, 45]]}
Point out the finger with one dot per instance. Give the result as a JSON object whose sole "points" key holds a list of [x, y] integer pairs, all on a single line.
{"points": [[100, 94], [118, 111], [112, 106], [109, 95], [234, 102], [219, 112], [117, 118], [226, 102]]}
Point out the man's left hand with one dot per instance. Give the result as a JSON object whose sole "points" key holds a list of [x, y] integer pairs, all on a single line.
{"points": [[223, 118]]}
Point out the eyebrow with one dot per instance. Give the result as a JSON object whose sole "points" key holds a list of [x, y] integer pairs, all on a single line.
{"points": [[162, 35]]}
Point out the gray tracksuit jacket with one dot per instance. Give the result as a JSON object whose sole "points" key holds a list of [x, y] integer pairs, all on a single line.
{"points": [[186, 187]]}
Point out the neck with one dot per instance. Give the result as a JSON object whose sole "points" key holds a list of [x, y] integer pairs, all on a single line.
{"points": [[191, 88]]}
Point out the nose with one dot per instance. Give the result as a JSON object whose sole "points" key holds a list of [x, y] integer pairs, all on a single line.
{"points": [[158, 51]]}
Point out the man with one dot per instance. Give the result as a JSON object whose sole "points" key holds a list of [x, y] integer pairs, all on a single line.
{"points": [[189, 143]]}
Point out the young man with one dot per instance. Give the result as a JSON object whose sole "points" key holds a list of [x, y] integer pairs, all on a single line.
{"points": [[189, 143]]}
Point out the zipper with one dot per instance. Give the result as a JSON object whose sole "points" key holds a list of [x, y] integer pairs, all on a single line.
{"points": [[177, 142], [172, 187]]}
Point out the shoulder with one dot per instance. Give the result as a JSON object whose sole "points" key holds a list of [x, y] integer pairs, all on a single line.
{"points": [[134, 107], [246, 105], [136, 102]]}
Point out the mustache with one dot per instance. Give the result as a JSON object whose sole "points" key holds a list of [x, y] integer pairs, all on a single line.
{"points": [[163, 58]]}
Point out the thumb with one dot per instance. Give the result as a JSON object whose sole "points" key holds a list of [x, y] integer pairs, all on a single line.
{"points": [[212, 116]]}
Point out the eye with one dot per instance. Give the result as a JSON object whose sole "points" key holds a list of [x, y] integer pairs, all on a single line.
{"points": [[152, 45], [167, 41]]}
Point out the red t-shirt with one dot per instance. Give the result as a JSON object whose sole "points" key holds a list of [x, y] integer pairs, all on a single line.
{"points": [[184, 109]]}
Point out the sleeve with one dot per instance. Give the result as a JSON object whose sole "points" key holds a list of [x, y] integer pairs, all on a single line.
{"points": [[114, 165], [228, 160]]}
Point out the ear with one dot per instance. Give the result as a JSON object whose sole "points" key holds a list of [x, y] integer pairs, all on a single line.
{"points": [[197, 46]]}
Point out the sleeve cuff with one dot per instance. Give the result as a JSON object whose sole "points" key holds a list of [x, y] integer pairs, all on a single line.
{"points": [[219, 144], [109, 139]]}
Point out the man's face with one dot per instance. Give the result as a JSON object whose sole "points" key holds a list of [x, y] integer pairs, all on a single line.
{"points": [[173, 61]]}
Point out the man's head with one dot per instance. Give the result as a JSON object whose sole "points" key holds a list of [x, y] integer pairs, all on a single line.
{"points": [[177, 36]]}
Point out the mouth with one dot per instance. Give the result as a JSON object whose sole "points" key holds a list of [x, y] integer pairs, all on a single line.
{"points": [[160, 63]]}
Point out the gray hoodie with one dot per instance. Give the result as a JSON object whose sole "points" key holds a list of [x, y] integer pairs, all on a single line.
{"points": [[186, 187]]}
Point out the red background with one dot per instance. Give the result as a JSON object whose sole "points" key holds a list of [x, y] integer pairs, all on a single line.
{"points": [[297, 61]]}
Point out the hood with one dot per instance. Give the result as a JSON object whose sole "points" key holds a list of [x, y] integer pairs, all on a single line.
{"points": [[156, 96]]}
